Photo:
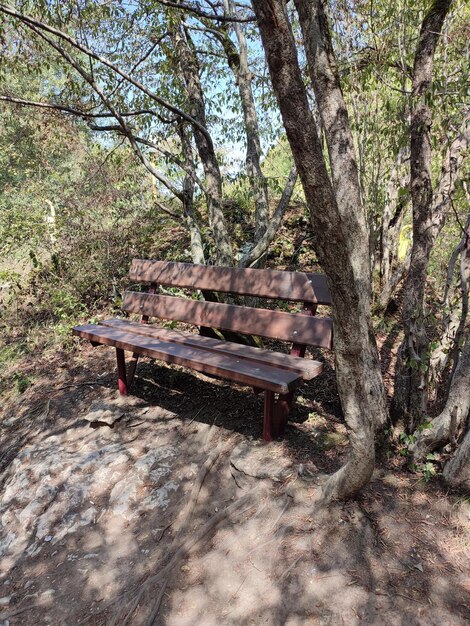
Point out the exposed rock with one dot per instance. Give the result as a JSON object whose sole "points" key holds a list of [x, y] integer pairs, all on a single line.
{"points": [[111, 408], [52, 486]]}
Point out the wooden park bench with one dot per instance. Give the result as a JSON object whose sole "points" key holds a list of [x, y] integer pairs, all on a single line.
{"points": [[276, 373]]}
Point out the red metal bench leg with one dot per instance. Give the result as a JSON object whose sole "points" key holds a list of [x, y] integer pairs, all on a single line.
{"points": [[282, 408], [268, 424], [131, 369], [276, 414], [121, 367]]}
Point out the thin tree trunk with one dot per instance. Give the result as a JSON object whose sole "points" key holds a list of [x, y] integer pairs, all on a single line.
{"points": [[456, 308], [340, 233], [444, 427], [393, 209], [189, 212], [238, 61], [260, 248], [411, 383], [213, 179]]}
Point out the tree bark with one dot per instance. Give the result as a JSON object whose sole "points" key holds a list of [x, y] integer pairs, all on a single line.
{"points": [[457, 470], [456, 309], [213, 179], [392, 218], [444, 426], [238, 61], [411, 382], [340, 232], [189, 212], [259, 249], [455, 412]]}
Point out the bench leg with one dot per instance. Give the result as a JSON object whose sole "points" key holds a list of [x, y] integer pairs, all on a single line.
{"points": [[121, 368], [282, 408], [131, 369], [276, 413], [268, 425]]}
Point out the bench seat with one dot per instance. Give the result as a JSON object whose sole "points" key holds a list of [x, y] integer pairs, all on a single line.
{"points": [[153, 341], [306, 368]]}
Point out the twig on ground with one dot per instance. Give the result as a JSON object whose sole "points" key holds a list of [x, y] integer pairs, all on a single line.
{"points": [[276, 522], [291, 566], [200, 410], [91, 382]]}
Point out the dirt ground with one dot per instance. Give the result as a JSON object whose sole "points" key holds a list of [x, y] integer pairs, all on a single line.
{"points": [[178, 515]]}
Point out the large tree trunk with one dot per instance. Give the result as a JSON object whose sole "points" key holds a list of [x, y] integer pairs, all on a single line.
{"points": [[410, 395], [213, 179], [340, 232], [457, 471]]}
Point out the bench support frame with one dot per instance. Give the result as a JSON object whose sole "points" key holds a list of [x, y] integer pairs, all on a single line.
{"points": [[276, 414], [121, 368]]}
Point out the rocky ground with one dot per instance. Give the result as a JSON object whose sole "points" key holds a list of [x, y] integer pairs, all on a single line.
{"points": [[165, 508]]}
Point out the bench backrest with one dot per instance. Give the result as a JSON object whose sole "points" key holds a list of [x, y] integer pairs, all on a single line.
{"points": [[311, 289]]}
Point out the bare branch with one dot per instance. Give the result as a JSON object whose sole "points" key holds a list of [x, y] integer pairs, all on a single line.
{"points": [[77, 112], [260, 247], [453, 161], [168, 211], [36, 25], [123, 127], [209, 16]]}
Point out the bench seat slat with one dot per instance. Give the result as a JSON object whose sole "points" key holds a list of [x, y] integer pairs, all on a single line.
{"points": [[239, 370], [300, 329], [306, 368], [263, 283]]}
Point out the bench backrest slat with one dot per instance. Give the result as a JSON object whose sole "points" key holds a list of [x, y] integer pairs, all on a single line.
{"points": [[295, 286], [312, 331]]}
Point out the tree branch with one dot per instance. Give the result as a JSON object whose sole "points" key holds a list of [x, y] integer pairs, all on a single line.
{"points": [[36, 25], [209, 16], [262, 245]]}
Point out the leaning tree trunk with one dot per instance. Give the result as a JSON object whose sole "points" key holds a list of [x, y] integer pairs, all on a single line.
{"points": [[444, 358], [341, 237], [444, 427], [410, 394]]}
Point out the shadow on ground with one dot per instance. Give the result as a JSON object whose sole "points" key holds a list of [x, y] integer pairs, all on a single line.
{"points": [[149, 522]]}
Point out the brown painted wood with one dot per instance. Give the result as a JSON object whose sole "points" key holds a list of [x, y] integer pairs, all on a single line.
{"points": [[312, 331], [306, 368], [238, 370], [264, 283]]}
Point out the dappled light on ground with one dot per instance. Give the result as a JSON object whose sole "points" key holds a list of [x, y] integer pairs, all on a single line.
{"points": [[184, 517]]}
